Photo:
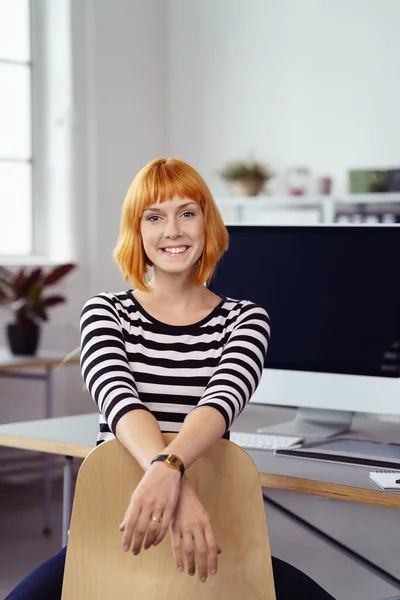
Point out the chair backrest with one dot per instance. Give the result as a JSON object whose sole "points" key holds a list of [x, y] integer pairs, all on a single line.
{"points": [[228, 485]]}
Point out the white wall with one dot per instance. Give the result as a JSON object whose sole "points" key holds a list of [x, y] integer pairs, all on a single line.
{"points": [[119, 122], [293, 80], [296, 81], [121, 71]]}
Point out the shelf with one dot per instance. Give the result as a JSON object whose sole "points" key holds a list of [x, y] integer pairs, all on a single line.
{"points": [[277, 201], [270, 202], [383, 198]]}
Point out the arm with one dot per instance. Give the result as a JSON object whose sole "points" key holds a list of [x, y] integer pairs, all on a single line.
{"points": [[229, 389], [110, 381]]}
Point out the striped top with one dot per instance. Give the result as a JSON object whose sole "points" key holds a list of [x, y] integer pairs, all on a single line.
{"points": [[130, 360]]}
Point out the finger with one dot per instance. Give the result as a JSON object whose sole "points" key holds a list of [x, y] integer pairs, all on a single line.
{"points": [[212, 547], [139, 532], [164, 525], [152, 529], [201, 554], [188, 544], [129, 526], [176, 548]]}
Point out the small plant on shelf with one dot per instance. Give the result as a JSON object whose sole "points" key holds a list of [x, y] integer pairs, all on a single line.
{"points": [[249, 177], [23, 291]]}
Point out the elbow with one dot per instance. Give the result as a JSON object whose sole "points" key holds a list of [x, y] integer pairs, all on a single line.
{"points": [[217, 413]]}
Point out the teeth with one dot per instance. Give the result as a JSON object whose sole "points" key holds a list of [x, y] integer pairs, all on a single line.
{"points": [[175, 250]]}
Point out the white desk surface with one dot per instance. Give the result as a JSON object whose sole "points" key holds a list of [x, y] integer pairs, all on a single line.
{"points": [[76, 436]]}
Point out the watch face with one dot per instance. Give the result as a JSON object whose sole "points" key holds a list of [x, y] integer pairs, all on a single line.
{"points": [[174, 461]]}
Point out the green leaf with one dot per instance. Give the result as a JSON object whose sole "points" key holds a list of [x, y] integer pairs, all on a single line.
{"points": [[39, 311], [35, 292], [237, 170]]}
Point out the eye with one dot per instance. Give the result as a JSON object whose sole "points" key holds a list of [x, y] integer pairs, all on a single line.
{"points": [[189, 214], [153, 218]]}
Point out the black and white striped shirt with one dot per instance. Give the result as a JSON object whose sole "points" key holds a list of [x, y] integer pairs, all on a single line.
{"points": [[131, 360]]}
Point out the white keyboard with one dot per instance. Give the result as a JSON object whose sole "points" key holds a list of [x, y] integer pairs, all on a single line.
{"points": [[264, 441]]}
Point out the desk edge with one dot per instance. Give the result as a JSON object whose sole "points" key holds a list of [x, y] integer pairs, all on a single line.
{"points": [[47, 446], [268, 480], [336, 491]]}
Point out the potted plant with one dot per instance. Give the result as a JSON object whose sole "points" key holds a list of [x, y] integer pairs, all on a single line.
{"points": [[249, 177], [23, 291]]}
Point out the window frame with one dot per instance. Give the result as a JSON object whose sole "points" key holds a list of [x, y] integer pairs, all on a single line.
{"points": [[38, 249]]}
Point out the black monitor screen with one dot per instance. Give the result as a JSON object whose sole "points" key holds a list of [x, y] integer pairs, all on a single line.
{"points": [[332, 293]]}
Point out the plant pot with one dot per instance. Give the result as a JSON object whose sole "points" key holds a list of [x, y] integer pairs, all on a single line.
{"points": [[23, 338], [248, 187]]}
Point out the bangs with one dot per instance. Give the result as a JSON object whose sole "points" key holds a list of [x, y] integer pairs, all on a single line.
{"points": [[165, 180]]}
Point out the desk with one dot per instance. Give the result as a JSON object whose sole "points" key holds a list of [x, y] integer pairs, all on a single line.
{"points": [[75, 436], [20, 367]]}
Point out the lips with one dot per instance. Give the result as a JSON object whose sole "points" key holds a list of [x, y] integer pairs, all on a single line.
{"points": [[175, 250], [172, 247]]}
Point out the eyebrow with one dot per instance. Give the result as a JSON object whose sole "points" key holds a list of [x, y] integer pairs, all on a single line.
{"points": [[159, 210]]}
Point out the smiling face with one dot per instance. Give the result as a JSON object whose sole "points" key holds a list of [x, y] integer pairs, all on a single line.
{"points": [[173, 235]]}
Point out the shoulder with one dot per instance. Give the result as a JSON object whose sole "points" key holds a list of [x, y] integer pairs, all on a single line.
{"points": [[240, 309], [111, 301]]}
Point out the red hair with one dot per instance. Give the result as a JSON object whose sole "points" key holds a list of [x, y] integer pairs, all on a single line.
{"points": [[159, 181]]}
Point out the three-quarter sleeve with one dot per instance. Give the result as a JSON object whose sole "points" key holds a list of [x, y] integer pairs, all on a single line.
{"points": [[241, 364], [104, 363]]}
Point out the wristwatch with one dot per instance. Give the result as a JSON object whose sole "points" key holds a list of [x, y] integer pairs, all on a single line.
{"points": [[172, 461]]}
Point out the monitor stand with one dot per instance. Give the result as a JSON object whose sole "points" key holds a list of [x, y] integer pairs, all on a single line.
{"points": [[312, 423]]}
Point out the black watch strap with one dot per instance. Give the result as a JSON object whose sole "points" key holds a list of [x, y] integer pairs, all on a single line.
{"points": [[172, 461]]}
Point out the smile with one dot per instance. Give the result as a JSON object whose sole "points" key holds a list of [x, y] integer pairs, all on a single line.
{"points": [[175, 250]]}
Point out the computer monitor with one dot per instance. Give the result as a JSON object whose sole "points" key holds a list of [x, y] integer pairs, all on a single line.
{"points": [[333, 296]]}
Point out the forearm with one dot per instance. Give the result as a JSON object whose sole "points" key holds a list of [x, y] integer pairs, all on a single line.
{"points": [[140, 433], [200, 430]]}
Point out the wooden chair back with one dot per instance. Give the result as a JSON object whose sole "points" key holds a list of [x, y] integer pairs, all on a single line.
{"points": [[228, 485]]}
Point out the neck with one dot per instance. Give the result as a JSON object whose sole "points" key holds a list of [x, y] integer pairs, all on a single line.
{"points": [[176, 291]]}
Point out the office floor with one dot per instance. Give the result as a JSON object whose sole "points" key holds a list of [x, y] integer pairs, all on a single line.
{"points": [[376, 535]]}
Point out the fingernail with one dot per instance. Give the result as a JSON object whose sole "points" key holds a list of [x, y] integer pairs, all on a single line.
{"points": [[191, 573], [202, 579], [180, 569], [213, 572], [125, 547]]}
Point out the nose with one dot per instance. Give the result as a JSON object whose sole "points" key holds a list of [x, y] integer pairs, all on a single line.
{"points": [[172, 229]]}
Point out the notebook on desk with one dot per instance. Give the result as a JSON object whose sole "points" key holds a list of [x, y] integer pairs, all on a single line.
{"points": [[386, 480]]}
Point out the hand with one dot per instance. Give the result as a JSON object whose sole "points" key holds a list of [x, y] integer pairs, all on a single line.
{"points": [[192, 526], [151, 508]]}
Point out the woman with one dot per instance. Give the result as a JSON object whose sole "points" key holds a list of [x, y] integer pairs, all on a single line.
{"points": [[170, 355]]}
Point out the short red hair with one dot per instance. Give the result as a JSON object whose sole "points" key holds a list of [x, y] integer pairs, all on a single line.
{"points": [[158, 181]]}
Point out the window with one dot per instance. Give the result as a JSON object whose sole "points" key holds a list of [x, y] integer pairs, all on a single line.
{"points": [[16, 237]]}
